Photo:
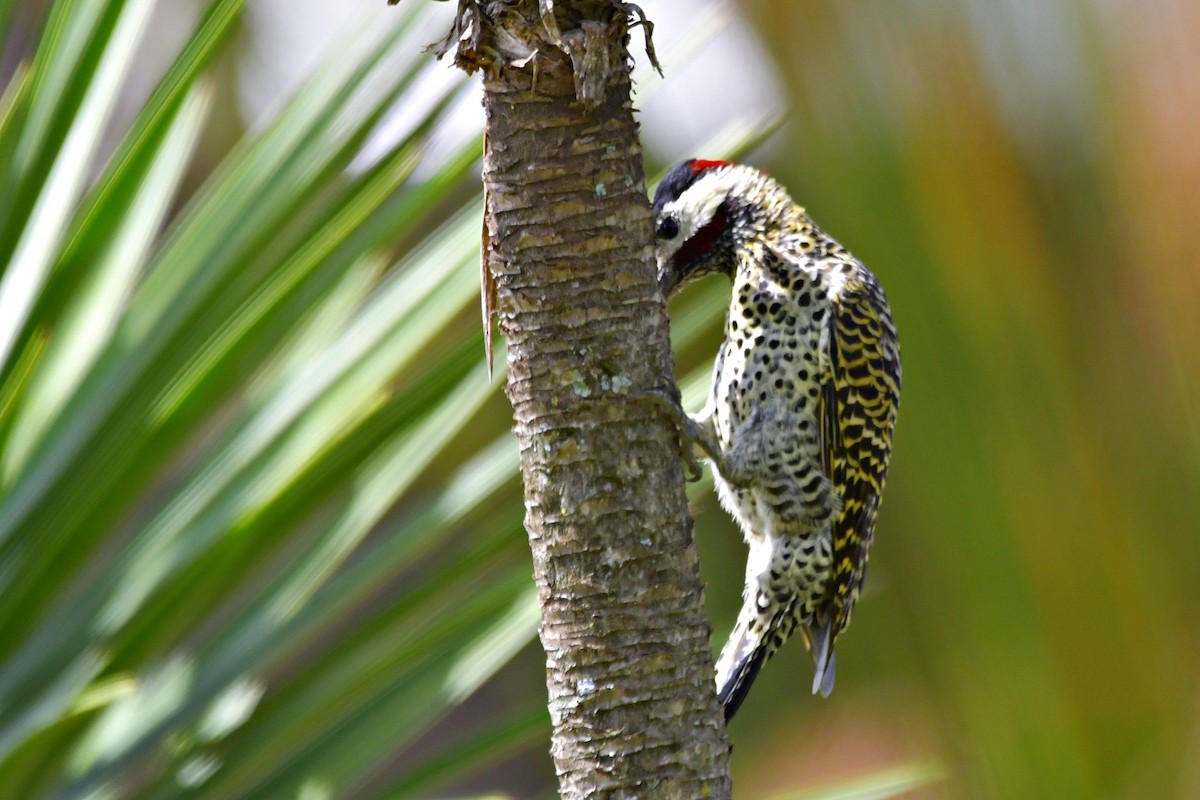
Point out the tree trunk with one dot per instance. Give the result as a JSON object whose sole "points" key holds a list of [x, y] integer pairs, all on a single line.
{"points": [[629, 669]]}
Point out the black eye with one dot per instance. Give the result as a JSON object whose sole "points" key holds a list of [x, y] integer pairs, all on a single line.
{"points": [[668, 228]]}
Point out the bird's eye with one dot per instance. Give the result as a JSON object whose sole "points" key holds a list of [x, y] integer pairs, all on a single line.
{"points": [[668, 228]]}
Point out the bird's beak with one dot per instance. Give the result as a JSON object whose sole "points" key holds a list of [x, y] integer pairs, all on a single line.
{"points": [[668, 277]]}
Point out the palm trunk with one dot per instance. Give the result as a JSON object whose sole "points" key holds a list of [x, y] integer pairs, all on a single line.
{"points": [[629, 669]]}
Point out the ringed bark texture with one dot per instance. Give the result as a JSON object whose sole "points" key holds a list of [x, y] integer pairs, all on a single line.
{"points": [[629, 668]]}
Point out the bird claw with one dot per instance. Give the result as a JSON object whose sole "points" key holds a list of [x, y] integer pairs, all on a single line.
{"points": [[690, 433], [692, 471]]}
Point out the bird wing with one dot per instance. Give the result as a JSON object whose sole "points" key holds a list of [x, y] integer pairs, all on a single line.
{"points": [[858, 402]]}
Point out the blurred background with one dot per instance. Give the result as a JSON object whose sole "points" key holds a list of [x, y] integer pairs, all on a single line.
{"points": [[260, 524]]}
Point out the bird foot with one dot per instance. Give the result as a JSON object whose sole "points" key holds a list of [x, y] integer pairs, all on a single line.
{"points": [[691, 434]]}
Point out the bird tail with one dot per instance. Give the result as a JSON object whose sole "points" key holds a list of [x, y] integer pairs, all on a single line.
{"points": [[759, 630], [753, 642], [818, 635], [741, 658]]}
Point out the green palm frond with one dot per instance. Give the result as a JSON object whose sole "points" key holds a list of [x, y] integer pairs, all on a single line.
{"points": [[207, 413]]}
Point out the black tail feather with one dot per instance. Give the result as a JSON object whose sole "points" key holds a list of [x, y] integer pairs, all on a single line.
{"points": [[737, 686]]}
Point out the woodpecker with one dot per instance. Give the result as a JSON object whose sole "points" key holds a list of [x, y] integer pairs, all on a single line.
{"points": [[799, 420]]}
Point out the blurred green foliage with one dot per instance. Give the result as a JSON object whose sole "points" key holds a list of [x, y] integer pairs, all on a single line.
{"points": [[260, 527], [220, 573]]}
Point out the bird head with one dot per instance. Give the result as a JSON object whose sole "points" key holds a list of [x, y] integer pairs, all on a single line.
{"points": [[692, 222]]}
